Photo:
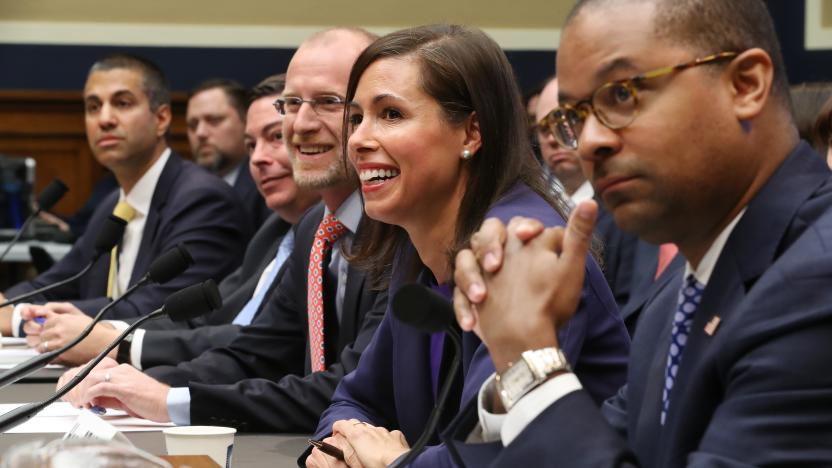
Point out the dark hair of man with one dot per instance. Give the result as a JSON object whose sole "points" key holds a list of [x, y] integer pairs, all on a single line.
{"points": [[808, 103], [822, 131], [270, 86], [466, 72], [711, 26], [154, 83], [233, 90]]}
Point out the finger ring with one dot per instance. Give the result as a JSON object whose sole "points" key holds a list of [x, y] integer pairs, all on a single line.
{"points": [[45, 345], [360, 422], [107, 377]]}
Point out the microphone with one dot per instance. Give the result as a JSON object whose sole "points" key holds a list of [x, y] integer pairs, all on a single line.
{"points": [[193, 301], [111, 232], [47, 199], [168, 266], [425, 309]]}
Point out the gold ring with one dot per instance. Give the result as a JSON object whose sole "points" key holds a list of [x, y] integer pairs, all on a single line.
{"points": [[45, 345], [107, 377]]}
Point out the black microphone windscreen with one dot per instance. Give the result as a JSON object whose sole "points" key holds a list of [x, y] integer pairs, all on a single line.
{"points": [[51, 194], [422, 308], [110, 234], [170, 264], [193, 301]]}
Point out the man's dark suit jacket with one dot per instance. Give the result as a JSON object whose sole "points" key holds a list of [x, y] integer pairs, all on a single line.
{"points": [[189, 206], [262, 380], [166, 343], [618, 255], [251, 199], [757, 391]]}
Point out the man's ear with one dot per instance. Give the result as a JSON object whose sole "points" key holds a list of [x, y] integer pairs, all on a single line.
{"points": [[163, 119], [473, 136], [751, 75]]}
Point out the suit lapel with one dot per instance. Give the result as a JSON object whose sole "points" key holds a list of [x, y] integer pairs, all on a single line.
{"points": [[649, 357], [147, 253], [350, 307]]}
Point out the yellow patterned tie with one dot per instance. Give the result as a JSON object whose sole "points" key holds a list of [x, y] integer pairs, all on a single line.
{"points": [[126, 212]]}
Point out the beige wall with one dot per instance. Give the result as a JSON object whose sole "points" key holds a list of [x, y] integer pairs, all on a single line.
{"points": [[534, 14], [826, 13]]}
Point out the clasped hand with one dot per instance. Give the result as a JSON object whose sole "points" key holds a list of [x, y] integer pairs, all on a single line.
{"points": [[518, 283]]}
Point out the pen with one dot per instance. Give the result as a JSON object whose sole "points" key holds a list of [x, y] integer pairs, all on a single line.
{"points": [[328, 449]]}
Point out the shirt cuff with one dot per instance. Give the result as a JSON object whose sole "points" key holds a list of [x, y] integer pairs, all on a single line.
{"points": [[136, 348], [118, 324], [17, 321], [179, 406], [535, 402], [490, 423]]}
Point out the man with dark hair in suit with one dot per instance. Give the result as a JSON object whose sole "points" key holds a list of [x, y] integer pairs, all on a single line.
{"points": [[680, 112], [279, 374], [163, 342], [165, 200], [216, 119]]}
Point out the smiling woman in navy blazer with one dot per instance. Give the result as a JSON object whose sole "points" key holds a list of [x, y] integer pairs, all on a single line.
{"points": [[437, 135]]}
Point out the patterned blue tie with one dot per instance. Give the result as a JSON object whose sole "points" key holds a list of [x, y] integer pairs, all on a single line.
{"points": [[689, 298]]}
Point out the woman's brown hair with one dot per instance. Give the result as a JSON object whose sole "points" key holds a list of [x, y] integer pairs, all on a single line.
{"points": [[466, 72]]}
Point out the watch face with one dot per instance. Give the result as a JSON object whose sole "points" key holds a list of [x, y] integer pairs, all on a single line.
{"points": [[516, 379]]}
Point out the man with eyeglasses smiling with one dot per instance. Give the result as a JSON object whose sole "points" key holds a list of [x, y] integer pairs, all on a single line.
{"points": [[680, 113]]}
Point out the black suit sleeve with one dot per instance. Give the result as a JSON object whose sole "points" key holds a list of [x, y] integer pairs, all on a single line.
{"points": [[170, 347]]}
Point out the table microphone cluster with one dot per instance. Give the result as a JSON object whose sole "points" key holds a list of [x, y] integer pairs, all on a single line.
{"points": [[110, 234], [168, 266], [186, 304]]}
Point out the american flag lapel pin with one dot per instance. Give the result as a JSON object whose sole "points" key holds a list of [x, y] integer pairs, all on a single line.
{"points": [[712, 325]]}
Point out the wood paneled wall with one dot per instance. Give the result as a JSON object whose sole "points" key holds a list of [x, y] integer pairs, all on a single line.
{"points": [[49, 127]]}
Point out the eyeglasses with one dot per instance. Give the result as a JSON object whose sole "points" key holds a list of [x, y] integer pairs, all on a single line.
{"points": [[614, 104], [321, 105]]}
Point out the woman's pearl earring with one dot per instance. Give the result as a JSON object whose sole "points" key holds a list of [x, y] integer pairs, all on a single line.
{"points": [[466, 154]]}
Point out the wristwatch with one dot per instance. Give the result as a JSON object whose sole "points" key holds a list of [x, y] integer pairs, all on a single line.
{"points": [[532, 369], [123, 354]]}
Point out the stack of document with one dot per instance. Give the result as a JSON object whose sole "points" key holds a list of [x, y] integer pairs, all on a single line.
{"points": [[14, 351], [59, 417]]}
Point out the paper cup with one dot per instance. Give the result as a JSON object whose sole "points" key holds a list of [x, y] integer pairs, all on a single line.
{"points": [[214, 441]]}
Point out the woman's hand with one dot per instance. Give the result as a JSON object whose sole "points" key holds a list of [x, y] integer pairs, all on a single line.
{"points": [[371, 446]]}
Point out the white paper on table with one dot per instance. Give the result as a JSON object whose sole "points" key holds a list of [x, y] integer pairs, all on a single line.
{"points": [[59, 417], [7, 341], [10, 357]]}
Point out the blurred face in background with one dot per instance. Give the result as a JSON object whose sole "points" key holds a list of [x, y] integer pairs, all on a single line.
{"points": [[215, 131], [562, 162]]}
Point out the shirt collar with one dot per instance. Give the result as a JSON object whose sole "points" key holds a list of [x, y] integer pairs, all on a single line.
{"points": [[584, 192], [231, 177], [350, 211], [142, 193], [706, 266]]}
